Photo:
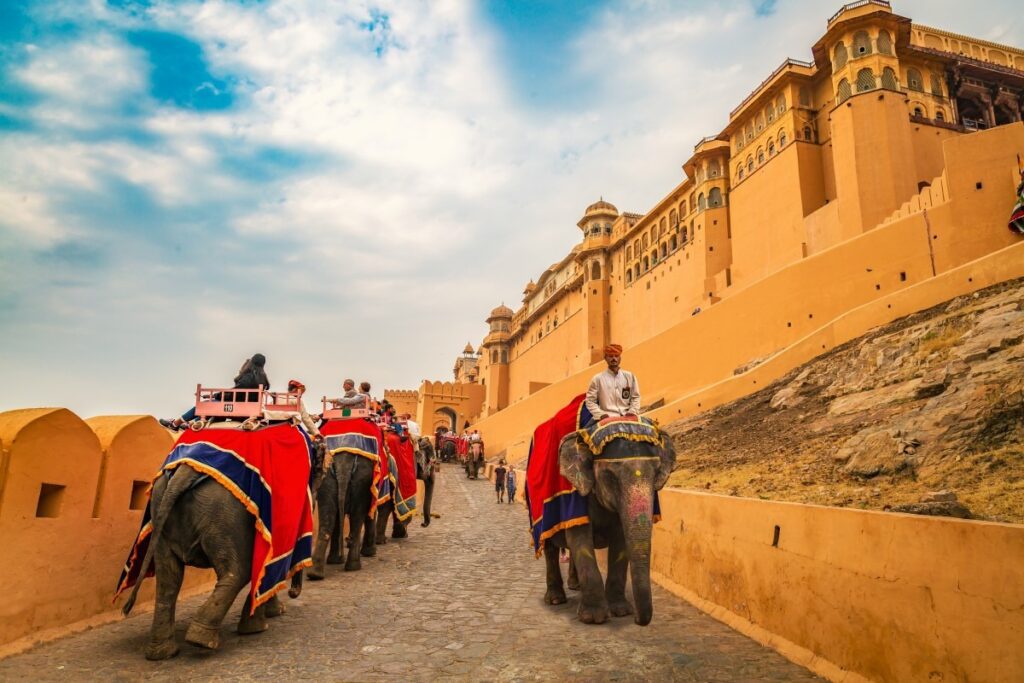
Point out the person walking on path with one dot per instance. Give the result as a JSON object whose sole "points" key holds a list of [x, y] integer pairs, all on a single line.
{"points": [[499, 480], [510, 485]]}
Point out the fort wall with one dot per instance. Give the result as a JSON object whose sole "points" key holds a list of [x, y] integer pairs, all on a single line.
{"points": [[72, 494], [763, 319]]}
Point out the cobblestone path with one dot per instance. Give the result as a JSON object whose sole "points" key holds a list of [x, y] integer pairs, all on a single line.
{"points": [[460, 600]]}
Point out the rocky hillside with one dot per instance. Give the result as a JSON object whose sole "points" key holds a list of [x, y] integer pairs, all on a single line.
{"points": [[923, 415]]}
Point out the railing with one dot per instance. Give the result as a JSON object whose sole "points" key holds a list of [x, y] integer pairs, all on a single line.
{"points": [[861, 3], [331, 411], [282, 401], [241, 403]]}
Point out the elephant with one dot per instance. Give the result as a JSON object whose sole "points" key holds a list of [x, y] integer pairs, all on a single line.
{"points": [[345, 490], [619, 485], [474, 459], [449, 451], [426, 470], [199, 523], [384, 513]]}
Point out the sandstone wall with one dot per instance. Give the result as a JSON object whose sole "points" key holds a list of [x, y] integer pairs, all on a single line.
{"points": [[71, 499], [852, 594]]}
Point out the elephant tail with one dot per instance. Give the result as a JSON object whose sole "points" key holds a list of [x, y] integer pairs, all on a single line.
{"points": [[177, 485]]}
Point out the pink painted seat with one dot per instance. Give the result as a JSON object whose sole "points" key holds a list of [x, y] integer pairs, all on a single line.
{"points": [[236, 403], [282, 401], [331, 412]]}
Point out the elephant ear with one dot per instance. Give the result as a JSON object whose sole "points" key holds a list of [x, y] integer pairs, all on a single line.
{"points": [[576, 463], [666, 462]]}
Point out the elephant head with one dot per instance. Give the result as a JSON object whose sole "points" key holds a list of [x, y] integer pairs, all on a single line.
{"points": [[624, 479]]}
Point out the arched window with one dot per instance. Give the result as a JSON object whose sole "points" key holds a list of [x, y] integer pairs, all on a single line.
{"points": [[595, 271], [865, 80], [686, 235], [645, 240], [884, 43], [693, 203], [940, 115], [636, 247], [629, 253], [760, 122], [770, 113], [715, 197], [739, 171], [673, 218], [889, 81], [629, 276], [861, 44], [782, 138], [936, 85], [760, 156], [808, 134], [771, 148], [918, 112], [662, 226], [701, 202], [805, 96], [750, 164], [654, 233], [664, 249], [682, 208], [750, 131], [843, 91], [494, 355], [654, 256], [714, 168], [673, 243], [839, 56], [647, 263], [914, 80], [780, 104]]}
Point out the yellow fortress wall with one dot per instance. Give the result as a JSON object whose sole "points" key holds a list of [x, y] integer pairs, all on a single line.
{"points": [[71, 497]]}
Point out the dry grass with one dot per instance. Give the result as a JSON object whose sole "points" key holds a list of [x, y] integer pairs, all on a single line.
{"points": [[943, 338]]}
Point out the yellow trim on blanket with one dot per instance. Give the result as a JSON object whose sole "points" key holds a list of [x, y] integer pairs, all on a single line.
{"points": [[657, 440], [569, 523], [353, 451]]}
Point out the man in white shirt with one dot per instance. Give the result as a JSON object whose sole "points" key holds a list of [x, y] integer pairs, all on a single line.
{"points": [[412, 426], [615, 391]]}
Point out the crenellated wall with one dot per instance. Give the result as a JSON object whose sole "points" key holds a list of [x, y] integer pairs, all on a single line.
{"points": [[71, 499]]}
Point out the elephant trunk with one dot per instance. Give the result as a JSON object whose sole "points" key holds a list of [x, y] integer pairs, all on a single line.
{"points": [[637, 522]]}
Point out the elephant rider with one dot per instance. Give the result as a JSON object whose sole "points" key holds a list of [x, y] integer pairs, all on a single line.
{"points": [[352, 398], [615, 391], [250, 376], [297, 387]]}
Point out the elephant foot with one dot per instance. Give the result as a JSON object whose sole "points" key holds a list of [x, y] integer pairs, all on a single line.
{"points": [[315, 573], [353, 566], [369, 552], [165, 649], [203, 636], [294, 592], [251, 626], [382, 541], [620, 608], [573, 583], [399, 532], [555, 596], [334, 559], [274, 608], [593, 615]]}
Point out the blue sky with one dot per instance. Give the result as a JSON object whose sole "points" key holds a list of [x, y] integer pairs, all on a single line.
{"points": [[347, 187]]}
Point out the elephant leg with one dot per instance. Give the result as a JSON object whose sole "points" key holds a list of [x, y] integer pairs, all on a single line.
{"points": [[369, 530], [555, 594], [361, 534], [398, 527], [327, 517], [574, 577], [274, 607], [204, 631], [383, 514], [618, 563], [170, 571], [256, 622], [428, 495], [593, 604], [339, 529]]}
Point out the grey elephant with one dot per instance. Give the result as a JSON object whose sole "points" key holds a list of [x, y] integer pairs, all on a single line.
{"points": [[474, 459], [199, 523], [620, 485], [426, 471], [345, 490]]}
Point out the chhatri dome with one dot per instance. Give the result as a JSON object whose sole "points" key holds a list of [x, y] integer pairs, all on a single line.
{"points": [[501, 311], [599, 209], [468, 350]]}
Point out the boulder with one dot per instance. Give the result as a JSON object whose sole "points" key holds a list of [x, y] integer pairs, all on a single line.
{"points": [[938, 509]]}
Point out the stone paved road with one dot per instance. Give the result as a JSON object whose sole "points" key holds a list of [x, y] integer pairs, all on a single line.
{"points": [[460, 600]]}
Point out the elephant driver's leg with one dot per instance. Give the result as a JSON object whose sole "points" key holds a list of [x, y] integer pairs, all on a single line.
{"points": [[170, 571], [555, 594], [593, 604]]}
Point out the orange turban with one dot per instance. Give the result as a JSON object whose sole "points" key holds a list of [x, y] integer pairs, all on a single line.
{"points": [[613, 350]]}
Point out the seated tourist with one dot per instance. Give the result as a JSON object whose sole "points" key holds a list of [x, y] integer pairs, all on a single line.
{"points": [[250, 376], [351, 398]]}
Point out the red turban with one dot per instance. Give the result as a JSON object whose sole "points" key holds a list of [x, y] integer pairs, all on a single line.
{"points": [[613, 350]]}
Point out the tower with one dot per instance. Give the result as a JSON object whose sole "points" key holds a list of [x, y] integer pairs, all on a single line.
{"points": [[496, 346], [592, 257]]}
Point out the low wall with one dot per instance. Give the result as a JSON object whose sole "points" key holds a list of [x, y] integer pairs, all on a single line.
{"points": [[851, 593], [71, 500]]}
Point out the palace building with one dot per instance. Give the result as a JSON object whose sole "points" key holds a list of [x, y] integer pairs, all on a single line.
{"points": [[820, 154]]}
